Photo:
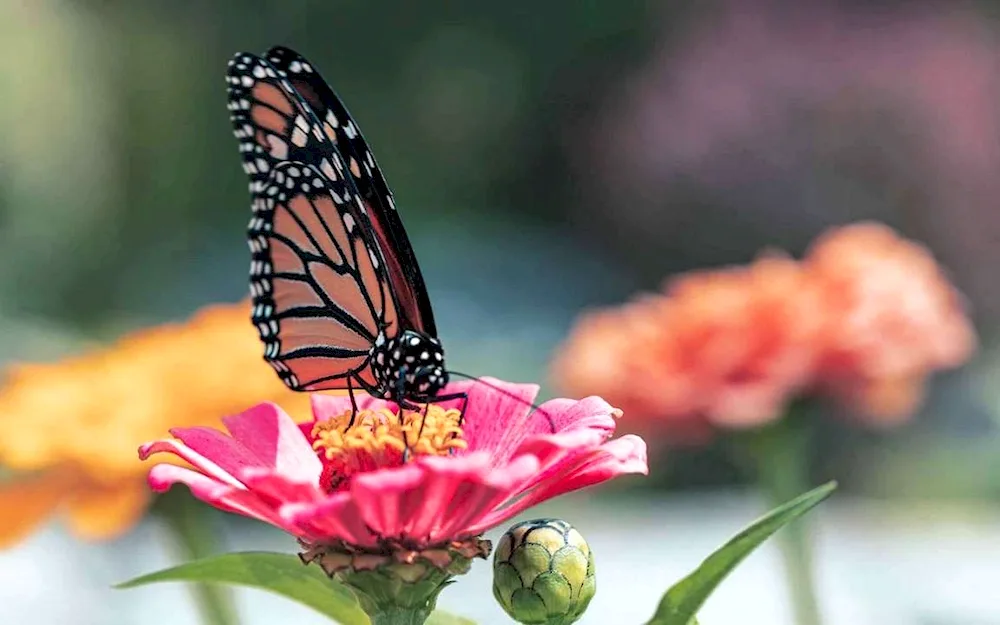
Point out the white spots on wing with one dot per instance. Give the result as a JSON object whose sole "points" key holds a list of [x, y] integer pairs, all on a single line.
{"points": [[424, 356], [307, 67], [414, 341], [258, 71], [278, 147], [301, 122], [355, 170], [374, 257], [263, 310], [332, 119], [295, 66], [327, 170], [438, 356], [350, 130], [349, 222], [392, 202], [318, 183], [262, 164], [293, 171], [246, 81], [299, 138]]}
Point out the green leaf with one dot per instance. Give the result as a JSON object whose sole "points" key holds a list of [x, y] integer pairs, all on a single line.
{"points": [[279, 573], [438, 617], [680, 604]]}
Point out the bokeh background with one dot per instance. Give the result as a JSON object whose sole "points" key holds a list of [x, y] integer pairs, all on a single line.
{"points": [[546, 157]]}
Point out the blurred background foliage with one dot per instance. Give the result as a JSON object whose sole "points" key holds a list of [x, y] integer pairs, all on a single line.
{"points": [[545, 157]]}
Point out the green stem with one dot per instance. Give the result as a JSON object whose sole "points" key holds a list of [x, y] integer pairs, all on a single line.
{"points": [[400, 616], [781, 455], [193, 538]]}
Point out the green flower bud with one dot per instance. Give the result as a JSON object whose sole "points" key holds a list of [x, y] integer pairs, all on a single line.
{"points": [[543, 573]]}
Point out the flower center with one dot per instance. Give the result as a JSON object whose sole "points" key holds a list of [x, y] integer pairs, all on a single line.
{"points": [[383, 438]]}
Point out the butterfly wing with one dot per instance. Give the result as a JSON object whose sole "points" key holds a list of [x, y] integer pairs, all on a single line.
{"points": [[317, 284], [273, 124], [317, 318], [407, 283]]}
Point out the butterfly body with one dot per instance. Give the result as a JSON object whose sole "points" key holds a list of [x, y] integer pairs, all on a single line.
{"points": [[410, 365], [338, 298]]}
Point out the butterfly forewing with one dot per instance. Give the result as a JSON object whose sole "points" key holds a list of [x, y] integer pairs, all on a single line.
{"points": [[409, 292]]}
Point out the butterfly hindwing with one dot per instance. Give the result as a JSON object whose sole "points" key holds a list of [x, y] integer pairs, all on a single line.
{"points": [[316, 282], [407, 284]]}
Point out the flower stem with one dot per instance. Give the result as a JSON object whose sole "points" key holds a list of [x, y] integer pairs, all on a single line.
{"points": [[780, 454], [401, 616], [192, 536]]}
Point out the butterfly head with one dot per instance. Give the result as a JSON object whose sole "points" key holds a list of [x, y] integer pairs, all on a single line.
{"points": [[410, 365]]}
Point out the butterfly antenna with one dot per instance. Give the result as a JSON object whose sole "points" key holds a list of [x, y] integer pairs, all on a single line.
{"points": [[535, 407]]}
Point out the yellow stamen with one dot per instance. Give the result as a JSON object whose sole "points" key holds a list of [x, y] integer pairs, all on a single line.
{"points": [[379, 438]]}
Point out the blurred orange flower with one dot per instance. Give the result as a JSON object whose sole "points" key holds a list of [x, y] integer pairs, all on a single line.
{"points": [[893, 319], [69, 430], [868, 316], [719, 348]]}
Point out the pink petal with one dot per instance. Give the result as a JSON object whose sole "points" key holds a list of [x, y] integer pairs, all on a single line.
{"points": [[577, 470], [203, 464], [589, 412], [275, 440], [278, 489], [226, 498], [230, 455], [335, 517], [436, 498], [496, 413]]}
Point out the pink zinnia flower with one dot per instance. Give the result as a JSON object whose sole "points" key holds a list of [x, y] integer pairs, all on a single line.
{"points": [[386, 483]]}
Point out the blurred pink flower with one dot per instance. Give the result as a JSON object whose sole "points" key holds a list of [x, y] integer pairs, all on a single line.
{"points": [[892, 319], [726, 348], [867, 317], [338, 481]]}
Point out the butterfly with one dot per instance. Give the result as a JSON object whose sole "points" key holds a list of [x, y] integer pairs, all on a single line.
{"points": [[337, 295]]}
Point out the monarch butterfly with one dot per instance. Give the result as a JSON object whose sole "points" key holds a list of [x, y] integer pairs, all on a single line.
{"points": [[337, 296]]}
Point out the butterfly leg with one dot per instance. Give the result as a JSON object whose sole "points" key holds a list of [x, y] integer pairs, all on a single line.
{"points": [[354, 402]]}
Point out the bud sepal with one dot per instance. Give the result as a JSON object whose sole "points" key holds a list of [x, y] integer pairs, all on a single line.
{"points": [[396, 585]]}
